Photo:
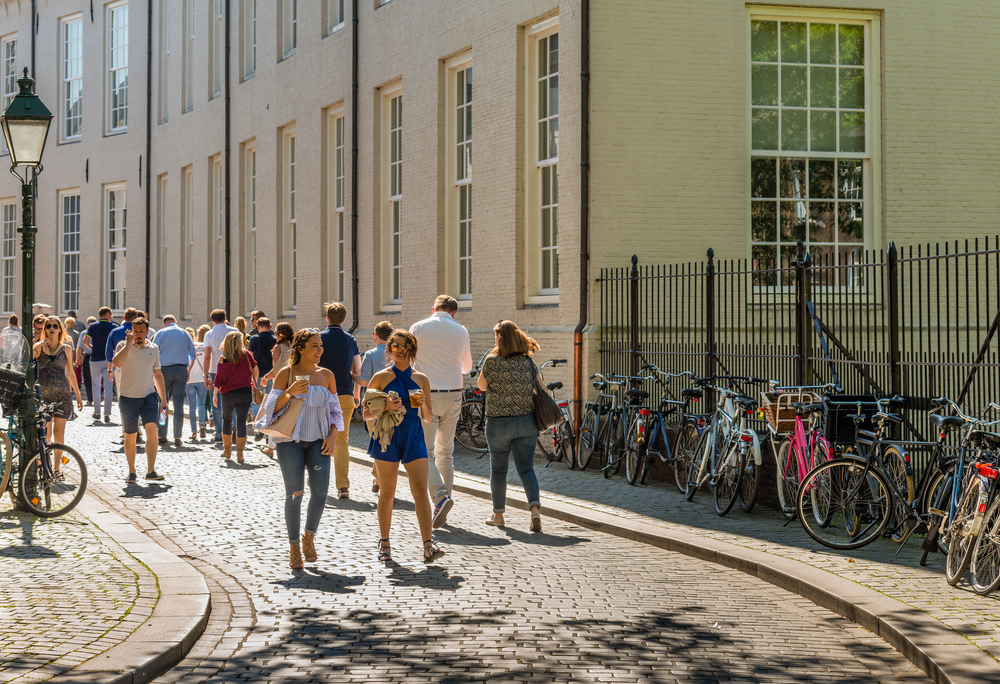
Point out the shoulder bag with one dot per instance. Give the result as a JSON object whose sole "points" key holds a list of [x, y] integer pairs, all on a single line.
{"points": [[547, 412], [258, 395], [284, 426]]}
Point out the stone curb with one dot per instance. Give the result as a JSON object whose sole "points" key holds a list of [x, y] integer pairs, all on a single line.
{"points": [[178, 619], [945, 655]]}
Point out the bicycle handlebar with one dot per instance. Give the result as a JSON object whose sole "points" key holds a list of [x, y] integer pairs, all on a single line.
{"points": [[773, 386]]}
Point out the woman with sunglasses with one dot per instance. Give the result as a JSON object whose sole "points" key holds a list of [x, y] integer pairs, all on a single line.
{"points": [[413, 393], [56, 375]]}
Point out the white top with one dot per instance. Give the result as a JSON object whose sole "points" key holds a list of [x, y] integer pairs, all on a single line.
{"points": [[197, 373], [214, 339], [443, 353], [135, 378]]}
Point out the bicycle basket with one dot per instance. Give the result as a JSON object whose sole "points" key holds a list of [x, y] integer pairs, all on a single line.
{"points": [[840, 428], [780, 413]]}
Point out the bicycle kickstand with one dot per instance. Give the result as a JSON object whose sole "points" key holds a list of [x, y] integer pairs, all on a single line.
{"points": [[911, 524]]}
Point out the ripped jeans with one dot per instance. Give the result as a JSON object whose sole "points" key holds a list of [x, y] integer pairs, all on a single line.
{"points": [[295, 458]]}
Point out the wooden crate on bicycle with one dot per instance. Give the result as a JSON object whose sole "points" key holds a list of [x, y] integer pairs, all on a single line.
{"points": [[778, 408]]}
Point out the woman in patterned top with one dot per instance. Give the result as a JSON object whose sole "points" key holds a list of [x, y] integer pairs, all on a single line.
{"points": [[508, 378]]}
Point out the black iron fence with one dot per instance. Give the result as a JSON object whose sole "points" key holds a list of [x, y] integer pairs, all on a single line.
{"points": [[920, 322]]}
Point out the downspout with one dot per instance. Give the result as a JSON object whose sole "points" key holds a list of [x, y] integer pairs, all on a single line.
{"points": [[584, 210], [228, 174], [149, 143], [34, 30], [355, 297]]}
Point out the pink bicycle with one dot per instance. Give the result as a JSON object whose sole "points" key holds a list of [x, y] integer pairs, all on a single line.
{"points": [[795, 415]]}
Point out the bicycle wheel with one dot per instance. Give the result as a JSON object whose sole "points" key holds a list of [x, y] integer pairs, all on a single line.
{"points": [[614, 445], [750, 484], [960, 538], [820, 508], [984, 571], [687, 442], [6, 463], [701, 452], [471, 429], [937, 497], [635, 452], [564, 444], [789, 478], [858, 504], [729, 473], [547, 444], [586, 441], [895, 470], [56, 495]]}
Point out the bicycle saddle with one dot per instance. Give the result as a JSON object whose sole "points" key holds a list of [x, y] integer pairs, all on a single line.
{"points": [[946, 421], [891, 417], [805, 409], [989, 440], [692, 394], [600, 386], [554, 386], [636, 394], [744, 400]]}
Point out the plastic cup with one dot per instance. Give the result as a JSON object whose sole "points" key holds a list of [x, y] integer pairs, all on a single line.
{"points": [[416, 398]]}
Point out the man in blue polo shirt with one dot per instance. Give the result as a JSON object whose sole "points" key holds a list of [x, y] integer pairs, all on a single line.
{"points": [[97, 335], [176, 355], [342, 357]]}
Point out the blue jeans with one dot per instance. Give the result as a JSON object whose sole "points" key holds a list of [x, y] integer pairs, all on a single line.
{"points": [[512, 436], [295, 458], [174, 381], [216, 411], [196, 392]]}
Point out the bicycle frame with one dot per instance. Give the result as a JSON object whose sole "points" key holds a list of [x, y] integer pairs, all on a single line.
{"points": [[803, 447]]}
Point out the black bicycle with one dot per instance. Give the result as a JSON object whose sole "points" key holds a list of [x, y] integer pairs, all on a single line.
{"points": [[596, 423], [54, 479], [470, 431], [649, 440]]}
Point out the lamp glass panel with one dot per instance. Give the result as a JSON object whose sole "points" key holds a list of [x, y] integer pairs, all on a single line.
{"points": [[26, 139]]}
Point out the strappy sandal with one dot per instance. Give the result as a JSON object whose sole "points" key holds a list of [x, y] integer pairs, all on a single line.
{"points": [[384, 551], [431, 552]]}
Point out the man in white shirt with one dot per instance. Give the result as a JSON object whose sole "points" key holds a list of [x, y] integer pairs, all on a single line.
{"points": [[444, 356], [213, 352]]}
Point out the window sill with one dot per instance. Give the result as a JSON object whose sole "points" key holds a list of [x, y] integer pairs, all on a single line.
{"points": [[541, 301], [334, 29], [63, 142], [287, 56], [119, 131]]}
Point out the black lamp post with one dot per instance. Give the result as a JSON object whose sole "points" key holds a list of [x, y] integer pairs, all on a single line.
{"points": [[25, 125]]}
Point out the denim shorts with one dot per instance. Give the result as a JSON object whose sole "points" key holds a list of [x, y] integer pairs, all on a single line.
{"points": [[136, 412]]}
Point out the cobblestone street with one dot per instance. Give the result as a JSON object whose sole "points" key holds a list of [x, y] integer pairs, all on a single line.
{"points": [[568, 604]]}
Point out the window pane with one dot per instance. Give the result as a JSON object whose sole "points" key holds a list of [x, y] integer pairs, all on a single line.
{"points": [[764, 41], [763, 216], [852, 88], [851, 220], [764, 84], [821, 225], [823, 43], [764, 258], [849, 179], [794, 131], [793, 86], [793, 42], [764, 128], [793, 178], [823, 131], [793, 221], [852, 44], [852, 131], [823, 87], [821, 179], [763, 178]]}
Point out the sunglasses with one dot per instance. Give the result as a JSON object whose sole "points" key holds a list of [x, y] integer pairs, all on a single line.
{"points": [[398, 347], [52, 327]]}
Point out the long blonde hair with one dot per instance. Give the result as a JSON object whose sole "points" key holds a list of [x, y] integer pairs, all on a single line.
{"points": [[299, 342], [202, 331], [232, 347], [64, 337], [512, 341]]}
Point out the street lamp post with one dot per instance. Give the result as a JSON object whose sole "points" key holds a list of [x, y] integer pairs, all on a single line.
{"points": [[25, 125]]}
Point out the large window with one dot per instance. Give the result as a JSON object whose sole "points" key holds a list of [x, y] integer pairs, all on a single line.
{"points": [[458, 168], [187, 242], [188, 76], [116, 218], [543, 160], [289, 27], [250, 229], [72, 77], [215, 21], [70, 205], [163, 253], [8, 71], [216, 220], [334, 15], [335, 236], [164, 60], [117, 67], [249, 38], [8, 253], [810, 148], [290, 234], [392, 191]]}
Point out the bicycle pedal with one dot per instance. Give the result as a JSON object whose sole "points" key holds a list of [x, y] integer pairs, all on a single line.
{"points": [[934, 511]]}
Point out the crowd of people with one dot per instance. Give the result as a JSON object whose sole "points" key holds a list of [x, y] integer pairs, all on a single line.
{"points": [[301, 389]]}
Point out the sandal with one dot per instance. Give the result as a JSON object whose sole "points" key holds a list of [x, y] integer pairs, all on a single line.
{"points": [[384, 551], [431, 552], [295, 557]]}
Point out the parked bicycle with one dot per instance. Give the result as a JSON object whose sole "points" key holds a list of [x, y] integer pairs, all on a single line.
{"points": [[596, 423], [556, 443], [470, 431], [55, 478]]}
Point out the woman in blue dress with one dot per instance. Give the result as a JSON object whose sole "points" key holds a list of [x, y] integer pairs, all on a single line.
{"points": [[407, 444]]}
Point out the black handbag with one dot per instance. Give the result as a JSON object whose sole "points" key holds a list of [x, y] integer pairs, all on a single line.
{"points": [[546, 412]]}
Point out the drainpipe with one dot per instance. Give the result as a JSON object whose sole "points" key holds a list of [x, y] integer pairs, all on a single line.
{"points": [[34, 30], [149, 139], [584, 209], [355, 298], [226, 167]]}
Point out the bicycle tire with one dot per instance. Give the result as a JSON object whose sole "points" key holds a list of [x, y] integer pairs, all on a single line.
{"points": [[471, 429], [820, 454], [852, 503], [564, 441], [586, 441], [895, 469], [694, 465], [6, 462], [750, 484], [635, 452], [729, 474], [984, 571], [960, 539], [788, 477], [687, 442], [938, 495], [546, 443], [53, 497], [614, 445]]}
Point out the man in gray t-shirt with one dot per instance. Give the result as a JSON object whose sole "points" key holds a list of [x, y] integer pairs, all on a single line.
{"points": [[141, 392]]}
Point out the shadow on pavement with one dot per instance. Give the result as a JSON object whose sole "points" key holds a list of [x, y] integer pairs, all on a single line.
{"points": [[147, 491], [233, 465], [326, 583], [456, 535], [429, 577], [541, 538], [349, 504], [27, 552]]}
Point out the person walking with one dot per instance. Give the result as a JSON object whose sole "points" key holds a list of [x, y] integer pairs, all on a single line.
{"points": [[78, 325], [176, 355], [140, 393], [255, 316], [12, 324], [97, 337], [57, 378], [83, 360], [312, 441], [445, 359], [342, 357], [235, 379], [261, 344], [116, 337], [508, 379], [402, 387], [38, 327], [213, 351], [196, 390], [74, 336], [372, 361]]}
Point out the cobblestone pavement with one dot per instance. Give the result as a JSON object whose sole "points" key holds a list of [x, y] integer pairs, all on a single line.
{"points": [[67, 593], [977, 618], [568, 604]]}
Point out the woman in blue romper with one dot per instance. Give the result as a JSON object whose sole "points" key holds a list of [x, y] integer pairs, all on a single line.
{"points": [[407, 445]]}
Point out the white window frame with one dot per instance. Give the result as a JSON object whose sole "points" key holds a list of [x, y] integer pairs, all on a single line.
{"points": [[187, 241], [71, 77], [288, 35], [536, 291], [250, 225], [289, 234], [163, 230], [335, 13], [164, 60], [249, 38], [115, 249], [69, 250], [216, 57], [188, 55], [336, 201], [116, 40], [870, 158], [8, 255], [458, 184], [8, 72], [392, 197], [217, 234]]}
